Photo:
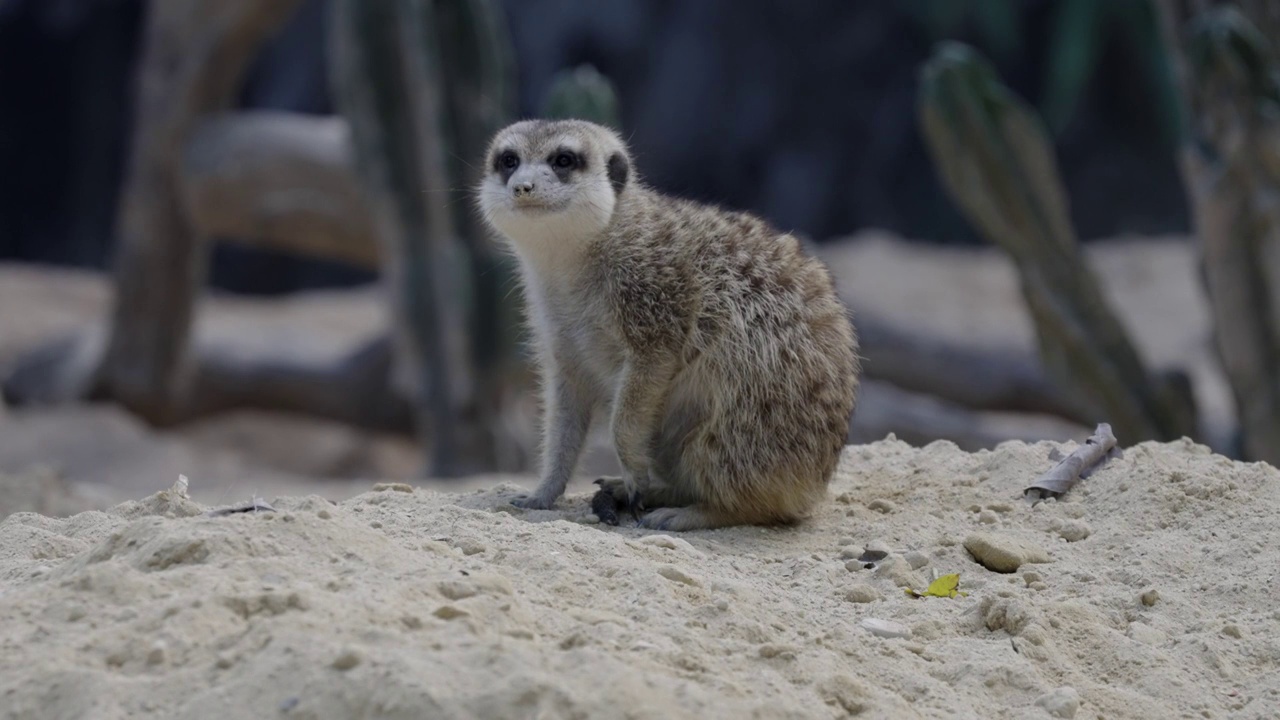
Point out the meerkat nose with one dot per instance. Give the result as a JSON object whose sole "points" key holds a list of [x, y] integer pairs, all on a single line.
{"points": [[523, 188]]}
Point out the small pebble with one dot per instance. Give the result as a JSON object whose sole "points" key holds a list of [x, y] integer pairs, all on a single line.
{"points": [[1061, 703], [1074, 530], [346, 660], [1150, 597], [1031, 576], [845, 541], [881, 506], [862, 593], [156, 656], [987, 517], [1001, 553], [470, 547], [878, 546], [675, 574], [1232, 631], [885, 628], [898, 571], [450, 612], [324, 514], [397, 487], [916, 559]]}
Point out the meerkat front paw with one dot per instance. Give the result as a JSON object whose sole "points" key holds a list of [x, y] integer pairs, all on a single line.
{"points": [[533, 501]]}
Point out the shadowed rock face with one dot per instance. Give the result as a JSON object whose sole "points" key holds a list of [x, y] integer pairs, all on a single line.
{"points": [[805, 114]]}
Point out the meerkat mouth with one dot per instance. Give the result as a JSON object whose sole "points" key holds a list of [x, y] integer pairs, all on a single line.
{"points": [[537, 206]]}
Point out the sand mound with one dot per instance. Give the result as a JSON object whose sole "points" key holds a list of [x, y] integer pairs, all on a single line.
{"points": [[403, 603]]}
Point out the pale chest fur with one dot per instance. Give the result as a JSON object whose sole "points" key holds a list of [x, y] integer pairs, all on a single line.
{"points": [[566, 314]]}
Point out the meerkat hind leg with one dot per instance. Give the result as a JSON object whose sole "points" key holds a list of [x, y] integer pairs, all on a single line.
{"points": [[680, 519]]}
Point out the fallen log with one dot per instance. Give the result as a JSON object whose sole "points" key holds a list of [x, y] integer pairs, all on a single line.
{"points": [[920, 419], [965, 376], [280, 180]]}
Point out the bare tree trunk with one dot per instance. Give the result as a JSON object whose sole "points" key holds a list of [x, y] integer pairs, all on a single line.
{"points": [[1227, 69], [195, 55]]}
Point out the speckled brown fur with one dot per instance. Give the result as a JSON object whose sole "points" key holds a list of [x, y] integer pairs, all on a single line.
{"points": [[719, 348]]}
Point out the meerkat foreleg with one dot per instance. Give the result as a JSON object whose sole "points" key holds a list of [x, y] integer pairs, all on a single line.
{"points": [[641, 396], [568, 411]]}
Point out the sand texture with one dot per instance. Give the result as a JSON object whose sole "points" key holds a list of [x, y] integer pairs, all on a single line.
{"points": [[1147, 592]]}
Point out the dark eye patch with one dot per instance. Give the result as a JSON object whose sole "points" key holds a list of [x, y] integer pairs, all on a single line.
{"points": [[564, 161], [505, 163]]}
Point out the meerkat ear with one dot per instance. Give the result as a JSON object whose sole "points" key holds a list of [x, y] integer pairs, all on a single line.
{"points": [[618, 171]]}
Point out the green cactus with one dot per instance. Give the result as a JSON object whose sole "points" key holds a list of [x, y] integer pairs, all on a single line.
{"points": [[1231, 165], [994, 158], [413, 126], [582, 93]]}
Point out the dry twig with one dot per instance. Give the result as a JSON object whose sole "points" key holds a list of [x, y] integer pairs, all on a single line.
{"points": [[1079, 464]]}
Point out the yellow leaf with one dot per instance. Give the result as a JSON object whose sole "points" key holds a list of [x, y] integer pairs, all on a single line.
{"points": [[947, 586]]}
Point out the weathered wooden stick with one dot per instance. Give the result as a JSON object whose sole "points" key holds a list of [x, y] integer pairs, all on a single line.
{"points": [[1061, 477]]}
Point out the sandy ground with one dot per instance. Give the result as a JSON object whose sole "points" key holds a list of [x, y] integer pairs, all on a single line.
{"points": [[410, 603], [1147, 592]]}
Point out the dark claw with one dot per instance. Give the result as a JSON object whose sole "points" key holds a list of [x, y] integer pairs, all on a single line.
{"points": [[634, 503], [605, 506]]}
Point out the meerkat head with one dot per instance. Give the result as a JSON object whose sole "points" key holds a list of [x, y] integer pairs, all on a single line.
{"points": [[553, 182]]}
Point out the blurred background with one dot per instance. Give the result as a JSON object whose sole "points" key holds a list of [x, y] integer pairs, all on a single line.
{"points": [[236, 243]]}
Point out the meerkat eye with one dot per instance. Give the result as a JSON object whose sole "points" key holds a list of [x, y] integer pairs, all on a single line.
{"points": [[508, 160], [565, 160]]}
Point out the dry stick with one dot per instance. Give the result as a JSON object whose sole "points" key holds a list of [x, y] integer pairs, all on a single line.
{"points": [[1083, 460]]}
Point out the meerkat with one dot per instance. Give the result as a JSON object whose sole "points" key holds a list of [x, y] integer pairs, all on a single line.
{"points": [[718, 349]]}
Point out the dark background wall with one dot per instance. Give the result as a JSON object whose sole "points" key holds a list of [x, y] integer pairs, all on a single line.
{"points": [[802, 111]]}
